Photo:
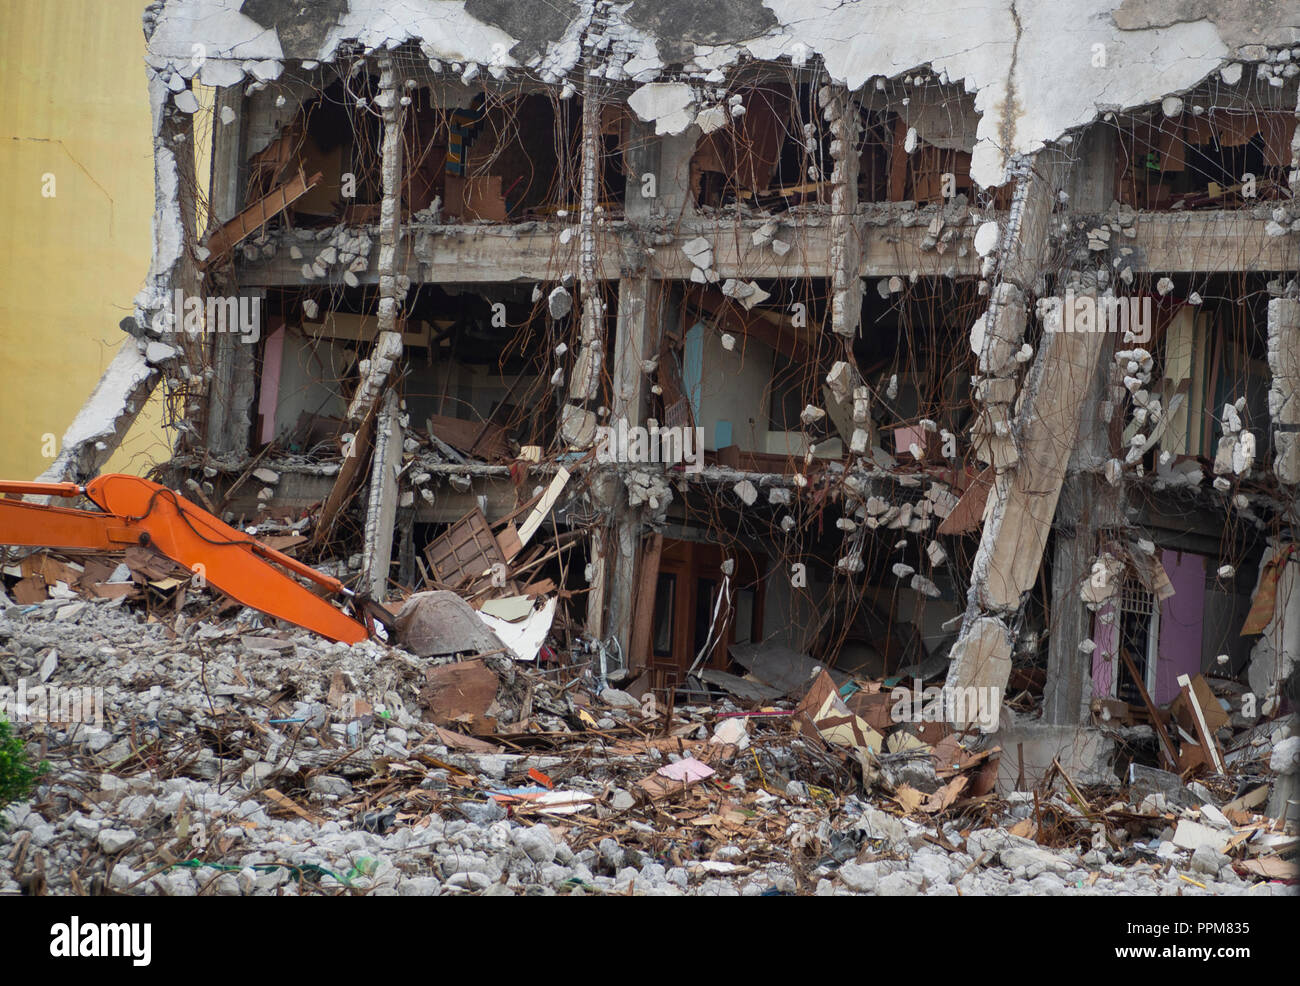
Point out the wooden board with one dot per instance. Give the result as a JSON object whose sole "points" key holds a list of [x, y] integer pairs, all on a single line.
{"points": [[456, 691], [643, 613], [465, 552], [969, 512], [482, 441]]}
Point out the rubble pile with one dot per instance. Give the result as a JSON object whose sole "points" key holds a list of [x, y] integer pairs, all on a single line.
{"points": [[220, 757]]}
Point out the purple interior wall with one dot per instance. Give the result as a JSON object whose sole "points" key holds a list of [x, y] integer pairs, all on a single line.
{"points": [[1180, 623]]}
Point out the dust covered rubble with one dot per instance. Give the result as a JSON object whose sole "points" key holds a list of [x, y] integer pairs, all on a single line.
{"points": [[183, 791]]}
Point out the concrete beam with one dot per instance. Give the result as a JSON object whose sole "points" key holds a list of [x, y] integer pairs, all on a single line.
{"points": [[1024, 500], [532, 251], [1166, 242], [1208, 242]]}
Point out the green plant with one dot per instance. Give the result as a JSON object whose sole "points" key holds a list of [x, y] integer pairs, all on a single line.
{"points": [[17, 775]]}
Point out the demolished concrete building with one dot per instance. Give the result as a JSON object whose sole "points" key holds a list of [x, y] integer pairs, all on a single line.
{"points": [[929, 346]]}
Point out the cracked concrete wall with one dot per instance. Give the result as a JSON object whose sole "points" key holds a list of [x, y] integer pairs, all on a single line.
{"points": [[1099, 55]]}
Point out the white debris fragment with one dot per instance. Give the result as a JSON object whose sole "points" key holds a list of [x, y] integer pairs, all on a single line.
{"points": [[986, 238], [668, 105], [699, 251], [559, 302], [711, 118], [924, 586]]}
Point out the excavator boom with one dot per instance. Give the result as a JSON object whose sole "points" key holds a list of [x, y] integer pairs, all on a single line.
{"points": [[136, 511]]}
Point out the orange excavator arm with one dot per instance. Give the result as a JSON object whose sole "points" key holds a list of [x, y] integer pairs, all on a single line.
{"points": [[136, 511]]}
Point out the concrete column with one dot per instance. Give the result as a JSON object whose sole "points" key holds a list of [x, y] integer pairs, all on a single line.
{"points": [[637, 331], [231, 392], [387, 351], [1091, 185], [382, 496], [381, 504], [1284, 388], [1088, 503], [578, 422], [841, 109], [225, 196]]}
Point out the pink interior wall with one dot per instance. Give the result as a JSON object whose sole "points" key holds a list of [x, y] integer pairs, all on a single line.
{"points": [[905, 438], [1105, 636], [272, 357], [1180, 622]]}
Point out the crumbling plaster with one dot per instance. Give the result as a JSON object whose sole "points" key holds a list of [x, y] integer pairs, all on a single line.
{"points": [[1034, 67]]}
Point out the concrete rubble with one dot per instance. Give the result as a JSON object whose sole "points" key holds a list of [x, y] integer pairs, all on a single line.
{"points": [[237, 760]]}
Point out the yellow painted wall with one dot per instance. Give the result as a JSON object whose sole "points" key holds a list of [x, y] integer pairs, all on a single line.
{"points": [[73, 104]]}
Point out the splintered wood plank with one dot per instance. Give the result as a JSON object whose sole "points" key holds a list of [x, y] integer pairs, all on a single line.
{"points": [[544, 507], [257, 215], [1165, 742], [345, 481]]}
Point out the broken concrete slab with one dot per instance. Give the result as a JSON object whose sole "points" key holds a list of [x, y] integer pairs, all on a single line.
{"points": [[778, 666], [439, 623], [1086, 754]]}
